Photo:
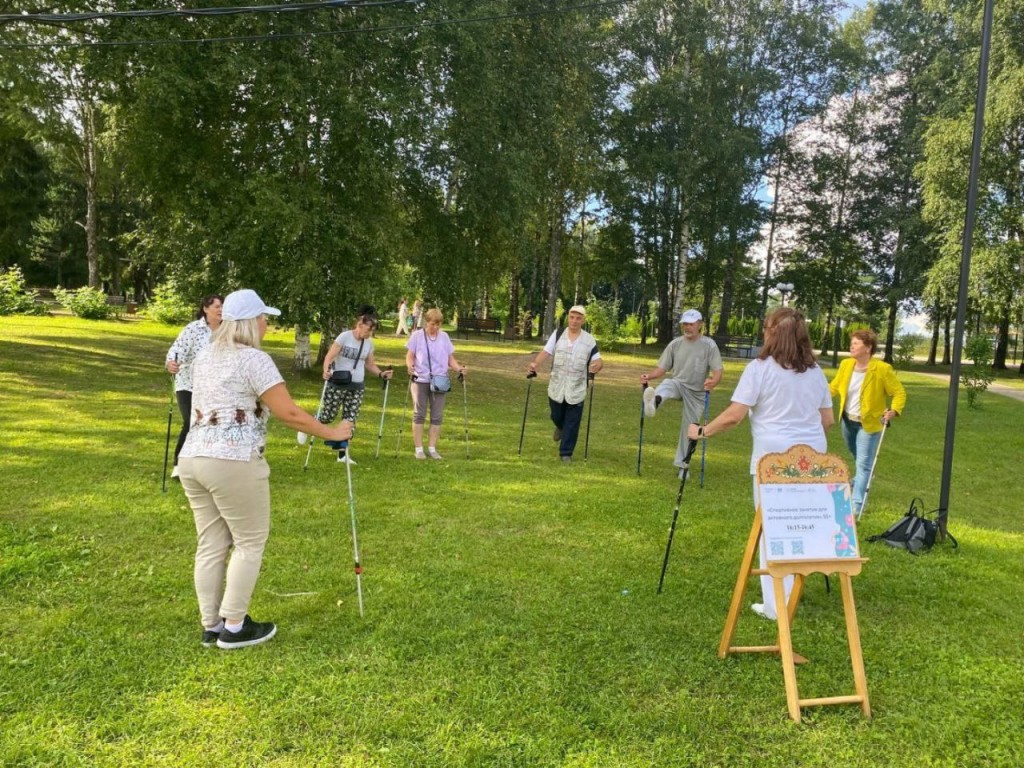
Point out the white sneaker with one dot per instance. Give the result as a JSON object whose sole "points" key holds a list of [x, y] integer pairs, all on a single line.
{"points": [[433, 453], [301, 437], [344, 458], [420, 454], [174, 472], [759, 609], [649, 407]]}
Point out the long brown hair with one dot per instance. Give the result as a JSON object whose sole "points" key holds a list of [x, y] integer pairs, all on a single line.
{"points": [[787, 341]]}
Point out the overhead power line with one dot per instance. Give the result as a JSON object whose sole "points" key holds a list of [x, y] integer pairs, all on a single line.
{"points": [[188, 13], [326, 33]]}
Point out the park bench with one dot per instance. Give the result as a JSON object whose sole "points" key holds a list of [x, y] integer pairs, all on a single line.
{"points": [[119, 301], [466, 325], [745, 347]]}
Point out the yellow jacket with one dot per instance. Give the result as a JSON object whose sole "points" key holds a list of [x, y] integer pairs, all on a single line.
{"points": [[879, 382]]}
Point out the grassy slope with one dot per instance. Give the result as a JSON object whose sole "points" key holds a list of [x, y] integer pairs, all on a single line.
{"points": [[511, 610]]}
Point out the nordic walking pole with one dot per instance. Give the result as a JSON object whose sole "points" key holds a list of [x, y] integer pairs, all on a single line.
{"points": [[465, 408], [871, 475], [684, 472], [529, 383], [405, 411], [340, 445], [167, 444], [383, 410], [319, 411], [640, 442], [590, 410], [704, 440]]}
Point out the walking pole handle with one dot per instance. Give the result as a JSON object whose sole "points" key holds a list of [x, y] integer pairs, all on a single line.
{"points": [[689, 451], [384, 381], [531, 375]]}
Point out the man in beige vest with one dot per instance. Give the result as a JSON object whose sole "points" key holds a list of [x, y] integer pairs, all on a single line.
{"points": [[575, 355]]}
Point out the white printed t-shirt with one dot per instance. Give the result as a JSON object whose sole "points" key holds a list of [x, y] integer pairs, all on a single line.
{"points": [[228, 421], [350, 358], [785, 407]]}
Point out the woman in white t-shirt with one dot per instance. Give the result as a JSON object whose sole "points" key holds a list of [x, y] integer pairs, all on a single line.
{"points": [[786, 396], [345, 367], [235, 388]]}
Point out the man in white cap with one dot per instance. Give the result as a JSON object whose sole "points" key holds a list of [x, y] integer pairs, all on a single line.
{"points": [[575, 356], [696, 367]]}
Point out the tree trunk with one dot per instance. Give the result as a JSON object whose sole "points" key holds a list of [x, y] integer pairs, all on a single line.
{"points": [[947, 334], [89, 171], [1002, 339], [735, 256], [303, 351], [933, 349], [682, 249], [554, 268], [890, 329]]}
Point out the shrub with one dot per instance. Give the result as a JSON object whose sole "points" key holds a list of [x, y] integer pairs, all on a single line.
{"points": [[603, 317], [978, 375], [168, 306], [87, 303], [14, 298], [904, 349], [630, 328]]}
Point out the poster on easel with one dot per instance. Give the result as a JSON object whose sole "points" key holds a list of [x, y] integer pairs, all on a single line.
{"points": [[808, 521]]}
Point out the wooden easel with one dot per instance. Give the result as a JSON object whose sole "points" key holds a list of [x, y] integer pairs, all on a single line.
{"points": [[800, 464]]}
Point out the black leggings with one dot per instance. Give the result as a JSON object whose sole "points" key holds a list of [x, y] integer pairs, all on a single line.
{"points": [[185, 406]]}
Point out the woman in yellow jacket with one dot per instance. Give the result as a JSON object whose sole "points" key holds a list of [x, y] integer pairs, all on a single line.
{"points": [[863, 384]]}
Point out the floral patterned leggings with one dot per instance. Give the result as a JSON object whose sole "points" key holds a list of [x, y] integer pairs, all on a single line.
{"points": [[336, 398]]}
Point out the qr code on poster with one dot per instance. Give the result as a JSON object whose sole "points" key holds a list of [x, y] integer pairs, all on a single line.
{"points": [[776, 549], [798, 547]]}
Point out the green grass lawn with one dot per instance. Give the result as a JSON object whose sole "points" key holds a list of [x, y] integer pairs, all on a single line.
{"points": [[511, 615]]}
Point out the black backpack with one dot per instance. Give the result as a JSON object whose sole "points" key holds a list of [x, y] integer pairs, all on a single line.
{"points": [[913, 532]]}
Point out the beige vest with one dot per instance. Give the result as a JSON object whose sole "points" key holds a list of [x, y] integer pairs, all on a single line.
{"points": [[569, 369]]}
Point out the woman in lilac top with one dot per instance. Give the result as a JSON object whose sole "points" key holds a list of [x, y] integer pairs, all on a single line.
{"points": [[430, 355]]}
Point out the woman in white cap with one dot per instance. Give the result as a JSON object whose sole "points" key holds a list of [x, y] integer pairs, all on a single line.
{"points": [[575, 356], [236, 387]]}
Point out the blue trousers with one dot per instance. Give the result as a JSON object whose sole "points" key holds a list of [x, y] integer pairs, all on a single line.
{"points": [[567, 418], [863, 446]]}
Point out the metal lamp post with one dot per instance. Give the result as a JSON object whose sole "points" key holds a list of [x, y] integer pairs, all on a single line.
{"points": [[785, 289]]}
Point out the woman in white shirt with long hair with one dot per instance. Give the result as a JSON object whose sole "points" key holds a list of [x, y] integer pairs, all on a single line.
{"points": [[786, 396]]}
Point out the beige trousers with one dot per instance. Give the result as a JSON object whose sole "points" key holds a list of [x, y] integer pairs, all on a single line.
{"points": [[231, 505]]}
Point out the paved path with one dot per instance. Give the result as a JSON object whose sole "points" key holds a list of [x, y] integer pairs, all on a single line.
{"points": [[995, 387]]}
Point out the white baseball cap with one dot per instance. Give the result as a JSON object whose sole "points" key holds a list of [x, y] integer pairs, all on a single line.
{"points": [[579, 308], [245, 305], [691, 316]]}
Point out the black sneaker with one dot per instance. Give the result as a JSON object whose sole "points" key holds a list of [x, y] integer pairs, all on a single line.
{"points": [[251, 633], [210, 638]]}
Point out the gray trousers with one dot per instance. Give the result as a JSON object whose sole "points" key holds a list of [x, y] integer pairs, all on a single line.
{"points": [[693, 410]]}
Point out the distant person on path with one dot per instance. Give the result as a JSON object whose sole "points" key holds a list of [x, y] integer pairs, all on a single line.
{"points": [[863, 384], [786, 396], [224, 473], [345, 367], [429, 356], [696, 367], [190, 342], [402, 328], [417, 314], [575, 356]]}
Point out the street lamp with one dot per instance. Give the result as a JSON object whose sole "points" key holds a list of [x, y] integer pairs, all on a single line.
{"points": [[785, 289]]}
